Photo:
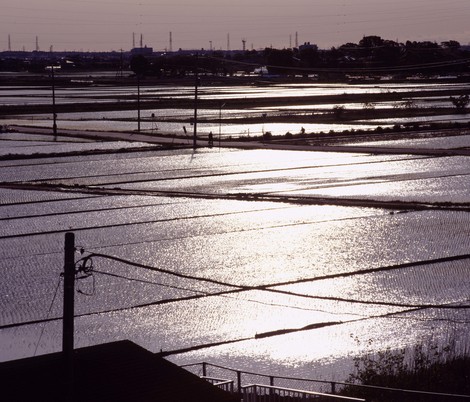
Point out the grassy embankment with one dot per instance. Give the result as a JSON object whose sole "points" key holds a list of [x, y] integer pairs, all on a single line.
{"points": [[427, 368]]}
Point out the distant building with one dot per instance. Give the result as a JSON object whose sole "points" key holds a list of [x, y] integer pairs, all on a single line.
{"points": [[142, 51], [308, 45]]}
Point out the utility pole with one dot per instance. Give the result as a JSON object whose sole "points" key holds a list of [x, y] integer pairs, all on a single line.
{"points": [[121, 65], [196, 85], [54, 113], [221, 105], [68, 325], [138, 102]]}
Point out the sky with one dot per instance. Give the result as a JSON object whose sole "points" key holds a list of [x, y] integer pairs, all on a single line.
{"points": [[105, 25]]}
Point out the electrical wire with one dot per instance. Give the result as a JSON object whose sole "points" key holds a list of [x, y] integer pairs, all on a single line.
{"points": [[220, 294], [226, 295], [48, 313], [240, 288], [172, 273], [269, 287], [149, 282]]}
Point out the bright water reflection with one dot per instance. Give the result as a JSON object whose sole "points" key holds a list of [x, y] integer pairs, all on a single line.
{"points": [[172, 121], [307, 257]]}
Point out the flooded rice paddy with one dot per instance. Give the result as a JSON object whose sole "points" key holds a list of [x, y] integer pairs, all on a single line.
{"points": [[220, 119], [274, 274]]}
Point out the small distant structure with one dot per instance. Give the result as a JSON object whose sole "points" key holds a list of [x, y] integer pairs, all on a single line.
{"points": [[142, 51], [308, 46], [261, 70]]}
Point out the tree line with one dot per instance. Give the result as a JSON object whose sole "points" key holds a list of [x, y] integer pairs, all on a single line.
{"points": [[372, 55]]}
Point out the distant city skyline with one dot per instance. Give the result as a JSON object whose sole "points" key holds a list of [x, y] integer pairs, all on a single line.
{"points": [[104, 25]]}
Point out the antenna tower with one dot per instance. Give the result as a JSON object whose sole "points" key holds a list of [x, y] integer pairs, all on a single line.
{"points": [[228, 42], [141, 40], [171, 41], [297, 40], [133, 40], [244, 44], [37, 44], [9, 43]]}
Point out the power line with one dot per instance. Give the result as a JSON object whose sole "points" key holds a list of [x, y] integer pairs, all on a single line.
{"points": [[219, 294], [49, 312], [147, 282], [268, 287]]}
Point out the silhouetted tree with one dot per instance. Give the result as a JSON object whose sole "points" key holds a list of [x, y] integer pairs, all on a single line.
{"points": [[451, 44], [279, 61], [139, 64], [371, 41], [460, 103], [309, 56], [338, 111]]}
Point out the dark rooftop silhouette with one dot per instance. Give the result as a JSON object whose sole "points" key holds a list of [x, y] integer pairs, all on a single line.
{"points": [[117, 371]]}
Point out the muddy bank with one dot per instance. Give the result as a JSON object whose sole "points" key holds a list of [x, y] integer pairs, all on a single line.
{"points": [[403, 206], [152, 102]]}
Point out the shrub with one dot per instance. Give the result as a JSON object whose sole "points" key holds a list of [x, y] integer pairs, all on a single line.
{"points": [[338, 111], [427, 367], [460, 103], [267, 136]]}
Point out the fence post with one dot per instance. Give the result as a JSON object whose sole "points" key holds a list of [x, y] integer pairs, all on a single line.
{"points": [[204, 369], [271, 383], [239, 382], [333, 388]]}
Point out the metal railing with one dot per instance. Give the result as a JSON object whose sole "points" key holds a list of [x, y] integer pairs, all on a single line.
{"points": [[267, 393], [226, 385], [241, 379]]}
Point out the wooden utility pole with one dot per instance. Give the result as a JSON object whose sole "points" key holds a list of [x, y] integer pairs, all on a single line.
{"points": [[68, 325], [138, 102], [54, 112], [196, 85]]}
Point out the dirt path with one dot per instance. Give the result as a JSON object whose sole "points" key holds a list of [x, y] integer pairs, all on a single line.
{"points": [[169, 140]]}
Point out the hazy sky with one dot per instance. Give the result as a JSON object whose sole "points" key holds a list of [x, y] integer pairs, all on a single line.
{"points": [[110, 24]]}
